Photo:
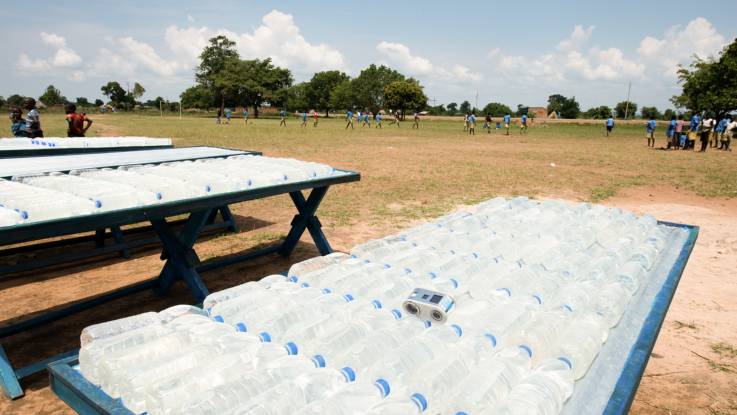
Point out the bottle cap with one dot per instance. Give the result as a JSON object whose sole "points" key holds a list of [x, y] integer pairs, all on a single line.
{"points": [[420, 401], [383, 386], [348, 374]]}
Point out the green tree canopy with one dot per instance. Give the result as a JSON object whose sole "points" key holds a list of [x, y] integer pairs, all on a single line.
{"points": [[137, 92], [465, 107], [319, 89], [98, 102], [710, 84], [198, 96], [522, 110], [650, 112], [343, 96], [16, 100], [52, 96], [2, 101], [82, 102], [403, 95], [297, 97], [115, 93], [452, 108], [369, 86], [598, 113], [215, 59], [669, 113], [566, 107], [496, 109], [620, 108], [437, 110]]}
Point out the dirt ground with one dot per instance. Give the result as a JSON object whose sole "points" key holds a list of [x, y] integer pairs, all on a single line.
{"points": [[692, 368]]}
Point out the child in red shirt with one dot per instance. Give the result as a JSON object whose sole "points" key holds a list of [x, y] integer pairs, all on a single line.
{"points": [[76, 122]]}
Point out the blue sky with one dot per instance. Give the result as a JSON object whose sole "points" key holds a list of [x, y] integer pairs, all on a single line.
{"points": [[506, 52]]}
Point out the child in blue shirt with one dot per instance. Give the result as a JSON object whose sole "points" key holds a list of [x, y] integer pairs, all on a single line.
{"points": [[670, 133], [719, 131], [304, 118], [650, 132], [283, 115], [349, 119], [609, 125], [507, 119], [17, 122], [377, 119], [228, 115], [245, 115], [523, 124]]}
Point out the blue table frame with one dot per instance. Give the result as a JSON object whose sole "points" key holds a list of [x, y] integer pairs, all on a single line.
{"points": [[58, 151], [181, 263], [85, 398]]}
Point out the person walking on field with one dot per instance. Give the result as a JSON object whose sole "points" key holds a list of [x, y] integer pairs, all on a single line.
{"points": [[472, 124], [377, 119], [650, 132], [315, 117], [396, 119], [245, 115], [77, 124], [228, 115], [730, 132], [609, 126], [465, 122], [283, 115], [719, 132], [416, 123], [304, 118], [349, 119], [367, 119], [523, 124], [364, 120], [507, 121]]}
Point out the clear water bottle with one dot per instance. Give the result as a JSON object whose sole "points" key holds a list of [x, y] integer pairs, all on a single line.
{"points": [[544, 391]]}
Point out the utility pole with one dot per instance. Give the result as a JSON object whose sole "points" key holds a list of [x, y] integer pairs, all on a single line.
{"points": [[180, 110], [627, 102], [161, 108], [477, 100]]}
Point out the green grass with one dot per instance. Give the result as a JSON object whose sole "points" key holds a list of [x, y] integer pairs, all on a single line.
{"points": [[415, 174]]}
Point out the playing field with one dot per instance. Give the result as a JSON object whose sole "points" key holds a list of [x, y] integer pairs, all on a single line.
{"points": [[410, 175]]}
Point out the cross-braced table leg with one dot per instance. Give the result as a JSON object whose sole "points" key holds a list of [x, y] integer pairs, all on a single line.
{"points": [[181, 259], [306, 219]]}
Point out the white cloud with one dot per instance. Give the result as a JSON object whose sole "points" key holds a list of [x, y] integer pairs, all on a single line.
{"points": [[144, 55], [399, 54], [62, 57], [190, 18], [577, 39], [679, 44], [78, 76], [278, 37]]}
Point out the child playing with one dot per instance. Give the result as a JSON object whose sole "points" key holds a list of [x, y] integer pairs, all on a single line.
{"points": [[487, 123], [670, 134], [416, 123], [465, 123], [17, 122], [283, 115], [228, 115], [719, 131], [679, 131], [507, 120], [472, 124], [609, 125], [315, 117], [77, 124], [33, 119], [650, 132], [377, 119], [304, 118], [523, 124], [245, 115], [349, 119], [367, 119]]}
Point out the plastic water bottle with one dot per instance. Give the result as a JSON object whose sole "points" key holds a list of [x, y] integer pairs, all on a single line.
{"points": [[115, 327], [581, 340], [405, 405], [543, 392]]}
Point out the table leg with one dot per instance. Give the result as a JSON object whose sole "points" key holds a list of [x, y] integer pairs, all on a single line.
{"points": [[306, 220]]}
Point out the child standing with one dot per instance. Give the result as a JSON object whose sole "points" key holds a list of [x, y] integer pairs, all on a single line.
{"points": [[304, 118], [17, 122], [487, 123], [76, 122], [679, 131], [245, 115], [349, 119], [670, 134], [472, 124], [719, 131], [315, 118], [507, 120], [228, 115], [283, 115], [650, 132], [377, 119], [33, 119], [609, 125], [523, 124], [416, 123], [465, 122], [367, 119]]}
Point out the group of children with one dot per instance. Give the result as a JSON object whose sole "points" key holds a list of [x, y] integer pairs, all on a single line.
{"points": [[30, 125], [711, 133], [365, 119], [469, 123]]}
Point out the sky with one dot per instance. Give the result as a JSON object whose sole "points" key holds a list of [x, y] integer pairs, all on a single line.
{"points": [[480, 51]]}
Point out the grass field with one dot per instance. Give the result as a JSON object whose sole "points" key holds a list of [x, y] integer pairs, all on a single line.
{"points": [[410, 175]]}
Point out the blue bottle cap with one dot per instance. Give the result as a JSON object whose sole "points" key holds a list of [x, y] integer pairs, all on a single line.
{"points": [[384, 387], [318, 360], [241, 327], [420, 401], [348, 373], [265, 337], [291, 348]]}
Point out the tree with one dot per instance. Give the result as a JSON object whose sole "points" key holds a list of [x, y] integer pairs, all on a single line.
{"points": [[2, 101], [437, 110], [98, 102], [138, 91], [16, 100], [320, 88], [650, 112], [115, 93], [343, 96], [452, 108], [521, 110], [214, 59], [630, 107], [668, 114], [565, 107], [407, 94], [711, 84], [198, 96], [297, 97], [598, 113], [465, 107], [496, 109], [52, 96], [369, 86], [82, 102]]}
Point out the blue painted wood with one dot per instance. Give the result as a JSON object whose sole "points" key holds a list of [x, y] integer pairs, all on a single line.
{"points": [[81, 395], [41, 365], [118, 238], [227, 216], [8, 379], [629, 380], [306, 219], [38, 152]]}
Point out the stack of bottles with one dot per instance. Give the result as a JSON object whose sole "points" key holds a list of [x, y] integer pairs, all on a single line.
{"points": [[32, 198], [537, 287], [80, 142]]}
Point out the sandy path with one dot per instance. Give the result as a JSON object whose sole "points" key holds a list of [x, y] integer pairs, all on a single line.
{"points": [[676, 381]]}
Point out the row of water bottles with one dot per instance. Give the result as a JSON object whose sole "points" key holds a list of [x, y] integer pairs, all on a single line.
{"points": [[22, 143], [57, 195], [331, 337]]}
